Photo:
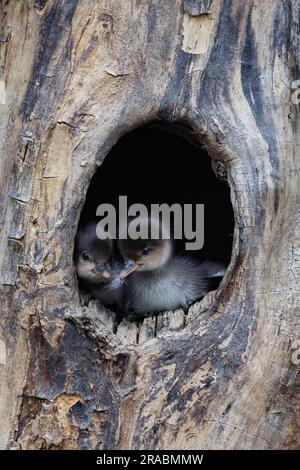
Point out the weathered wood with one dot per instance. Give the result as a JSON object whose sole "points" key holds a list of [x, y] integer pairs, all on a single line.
{"points": [[79, 74]]}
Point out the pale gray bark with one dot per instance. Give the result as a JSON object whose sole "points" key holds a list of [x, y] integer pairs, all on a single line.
{"points": [[79, 74]]}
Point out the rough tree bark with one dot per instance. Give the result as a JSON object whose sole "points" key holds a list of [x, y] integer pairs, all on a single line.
{"points": [[79, 74]]}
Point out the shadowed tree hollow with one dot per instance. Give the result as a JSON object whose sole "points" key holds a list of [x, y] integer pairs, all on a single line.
{"points": [[81, 79], [151, 166]]}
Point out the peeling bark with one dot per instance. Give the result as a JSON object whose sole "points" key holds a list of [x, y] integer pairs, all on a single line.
{"points": [[79, 74]]}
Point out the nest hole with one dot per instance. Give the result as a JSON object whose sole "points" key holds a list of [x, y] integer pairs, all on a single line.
{"points": [[152, 165]]}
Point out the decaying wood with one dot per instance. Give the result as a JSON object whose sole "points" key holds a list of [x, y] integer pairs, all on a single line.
{"points": [[79, 74]]}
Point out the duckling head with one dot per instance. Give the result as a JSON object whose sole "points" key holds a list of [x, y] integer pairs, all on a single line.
{"points": [[93, 256], [145, 254]]}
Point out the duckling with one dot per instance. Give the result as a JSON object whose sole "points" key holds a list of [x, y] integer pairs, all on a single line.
{"points": [[97, 267], [159, 279]]}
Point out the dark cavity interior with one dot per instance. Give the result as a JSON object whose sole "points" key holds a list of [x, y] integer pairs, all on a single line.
{"points": [[150, 165]]}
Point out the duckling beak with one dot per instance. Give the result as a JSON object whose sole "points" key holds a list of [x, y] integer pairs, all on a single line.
{"points": [[105, 274], [101, 269], [129, 268]]}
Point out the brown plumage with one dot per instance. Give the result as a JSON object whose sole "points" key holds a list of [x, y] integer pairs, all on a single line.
{"points": [[96, 266], [157, 279]]}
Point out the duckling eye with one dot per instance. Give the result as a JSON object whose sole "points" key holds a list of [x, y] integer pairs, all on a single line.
{"points": [[85, 256], [146, 251]]}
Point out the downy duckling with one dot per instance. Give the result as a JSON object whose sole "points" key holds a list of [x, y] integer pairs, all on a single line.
{"points": [[158, 279], [97, 267]]}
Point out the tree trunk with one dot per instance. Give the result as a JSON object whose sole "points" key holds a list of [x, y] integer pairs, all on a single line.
{"points": [[78, 75]]}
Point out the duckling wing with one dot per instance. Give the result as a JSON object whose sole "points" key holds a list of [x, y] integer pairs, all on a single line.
{"points": [[182, 281], [196, 278]]}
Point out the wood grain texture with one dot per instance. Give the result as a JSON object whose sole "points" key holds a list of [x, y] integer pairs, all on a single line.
{"points": [[79, 75]]}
